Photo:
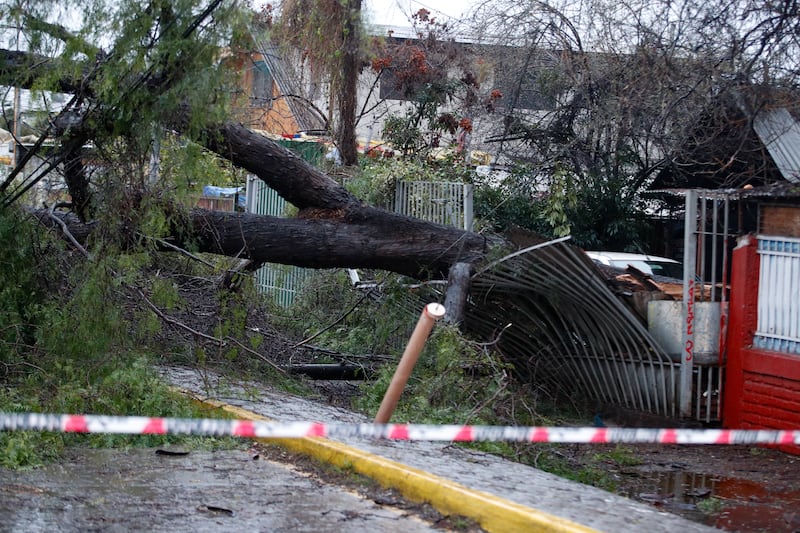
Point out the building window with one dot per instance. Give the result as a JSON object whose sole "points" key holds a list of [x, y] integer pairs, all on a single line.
{"points": [[533, 89], [778, 327], [262, 85]]}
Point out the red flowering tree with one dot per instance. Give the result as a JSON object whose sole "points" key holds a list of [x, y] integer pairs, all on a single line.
{"points": [[441, 81]]}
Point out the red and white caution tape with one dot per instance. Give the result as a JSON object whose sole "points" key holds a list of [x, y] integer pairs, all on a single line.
{"points": [[139, 425]]}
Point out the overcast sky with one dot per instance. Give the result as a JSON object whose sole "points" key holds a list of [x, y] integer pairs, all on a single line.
{"points": [[397, 12]]}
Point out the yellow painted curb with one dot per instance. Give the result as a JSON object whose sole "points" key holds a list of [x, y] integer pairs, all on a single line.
{"points": [[494, 514]]}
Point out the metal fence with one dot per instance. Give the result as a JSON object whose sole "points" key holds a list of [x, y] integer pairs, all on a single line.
{"points": [[442, 202], [560, 325], [280, 282], [706, 257], [779, 295], [446, 203]]}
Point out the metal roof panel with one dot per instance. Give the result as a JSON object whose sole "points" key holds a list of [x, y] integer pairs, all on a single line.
{"points": [[780, 133]]}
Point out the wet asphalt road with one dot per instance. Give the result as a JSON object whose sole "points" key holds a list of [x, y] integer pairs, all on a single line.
{"points": [[140, 490]]}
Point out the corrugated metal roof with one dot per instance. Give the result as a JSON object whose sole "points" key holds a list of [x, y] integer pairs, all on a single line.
{"points": [[783, 190], [780, 133]]}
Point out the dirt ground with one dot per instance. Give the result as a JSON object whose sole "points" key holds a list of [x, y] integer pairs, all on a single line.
{"points": [[736, 488]]}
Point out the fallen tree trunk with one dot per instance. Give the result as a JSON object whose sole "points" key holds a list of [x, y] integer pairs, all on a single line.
{"points": [[334, 228], [295, 180], [373, 239], [360, 238]]}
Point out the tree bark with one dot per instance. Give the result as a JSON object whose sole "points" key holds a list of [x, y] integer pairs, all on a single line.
{"points": [[333, 229], [458, 282], [366, 238], [348, 90], [295, 180], [380, 240]]}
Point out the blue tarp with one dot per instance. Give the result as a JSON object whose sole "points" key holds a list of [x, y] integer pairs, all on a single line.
{"points": [[226, 192]]}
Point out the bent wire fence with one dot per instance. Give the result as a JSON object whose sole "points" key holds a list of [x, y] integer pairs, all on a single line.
{"points": [[559, 324]]}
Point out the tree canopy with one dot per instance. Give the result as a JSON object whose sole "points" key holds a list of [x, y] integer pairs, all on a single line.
{"points": [[609, 98]]}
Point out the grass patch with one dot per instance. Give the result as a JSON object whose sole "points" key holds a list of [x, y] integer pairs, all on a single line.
{"points": [[711, 506], [620, 456], [130, 388]]}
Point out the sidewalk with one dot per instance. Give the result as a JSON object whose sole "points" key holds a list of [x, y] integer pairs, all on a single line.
{"points": [[500, 495]]}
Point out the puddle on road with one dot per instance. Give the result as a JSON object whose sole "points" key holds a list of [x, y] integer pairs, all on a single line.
{"points": [[727, 503]]}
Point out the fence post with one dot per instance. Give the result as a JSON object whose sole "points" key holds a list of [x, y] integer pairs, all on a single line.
{"points": [[742, 320], [689, 290], [468, 201], [429, 316]]}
